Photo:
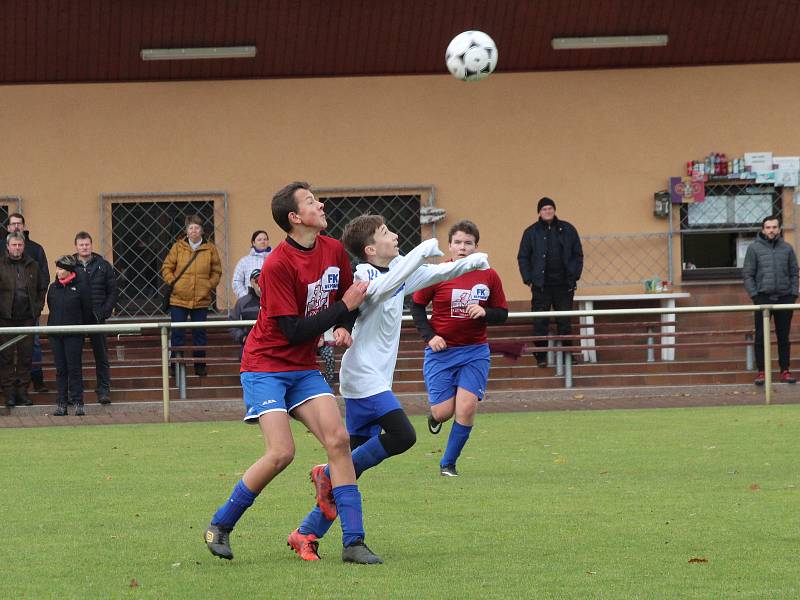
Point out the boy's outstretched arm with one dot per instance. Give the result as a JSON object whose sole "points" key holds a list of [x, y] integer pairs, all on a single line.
{"points": [[385, 285], [428, 275]]}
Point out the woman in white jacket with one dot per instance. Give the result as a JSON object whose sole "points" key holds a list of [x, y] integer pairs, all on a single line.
{"points": [[249, 263]]}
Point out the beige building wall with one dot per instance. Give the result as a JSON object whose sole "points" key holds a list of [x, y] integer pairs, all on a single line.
{"points": [[599, 142]]}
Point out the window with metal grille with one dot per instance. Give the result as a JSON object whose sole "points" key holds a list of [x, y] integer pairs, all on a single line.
{"points": [[715, 233], [400, 210], [138, 231]]}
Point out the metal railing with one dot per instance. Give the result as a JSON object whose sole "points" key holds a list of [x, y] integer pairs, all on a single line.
{"points": [[164, 328]]}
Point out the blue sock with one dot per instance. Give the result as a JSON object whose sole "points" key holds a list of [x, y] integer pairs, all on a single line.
{"points": [[459, 435], [348, 505], [369, 454], [229, 513], [316, 523]]}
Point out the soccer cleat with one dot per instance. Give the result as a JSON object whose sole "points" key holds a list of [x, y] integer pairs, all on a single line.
{"points": [[759, 380], [60, 411], [786, 377], [104, 398], [324, 488], [216, 538], [305, 546], [79, 411], [433, 425], [359, 553], [448, 471]]}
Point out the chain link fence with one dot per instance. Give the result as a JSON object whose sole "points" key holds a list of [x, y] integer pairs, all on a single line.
{"points": [[623, 259], [138, 229]]}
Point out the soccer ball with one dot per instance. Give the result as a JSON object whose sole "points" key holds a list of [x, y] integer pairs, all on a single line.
{"points": [[471, 56]]}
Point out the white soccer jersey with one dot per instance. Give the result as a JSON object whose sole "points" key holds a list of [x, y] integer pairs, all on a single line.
{"points": [[368, 365]]}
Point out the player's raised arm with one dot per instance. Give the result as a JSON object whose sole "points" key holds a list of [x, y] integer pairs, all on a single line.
{"points": [[428, 275], [386, 284]]}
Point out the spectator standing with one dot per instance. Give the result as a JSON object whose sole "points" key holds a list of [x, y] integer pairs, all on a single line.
{"points": [[770, 277], [22, 290], [69, 300], [16, 223], [550, 261], [254, 259], [102, 282], [246, 309], [191, 293]]}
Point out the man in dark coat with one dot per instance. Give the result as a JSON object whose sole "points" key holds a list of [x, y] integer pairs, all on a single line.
{"points": [[22, 292], [550, 261], [16, 223], [103, 284], [770, 277]]}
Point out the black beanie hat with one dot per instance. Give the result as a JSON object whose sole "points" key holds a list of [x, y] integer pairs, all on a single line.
{"points": [[545, 202]]}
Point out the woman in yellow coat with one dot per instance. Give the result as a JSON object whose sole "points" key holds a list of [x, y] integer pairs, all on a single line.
{"points": [[191, 294]]}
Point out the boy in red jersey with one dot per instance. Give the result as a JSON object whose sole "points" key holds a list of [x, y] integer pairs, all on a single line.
{"points": [[310, 290], [456, 366]]}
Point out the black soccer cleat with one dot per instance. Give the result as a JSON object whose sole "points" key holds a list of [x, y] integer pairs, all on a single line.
{"points": [[359, 553], [216, 538], [448, 471], [433, 425]]}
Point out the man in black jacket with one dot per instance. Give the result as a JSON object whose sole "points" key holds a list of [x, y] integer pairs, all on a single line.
{"points": [[550, 261], [16, 223], [771, 277], [22, 291], [103, 284]]}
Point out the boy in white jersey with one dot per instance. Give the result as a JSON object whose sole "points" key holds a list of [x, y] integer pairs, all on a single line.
{"points": [[376, 422]]}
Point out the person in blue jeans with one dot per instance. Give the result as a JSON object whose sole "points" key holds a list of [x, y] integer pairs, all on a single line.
{"points": [[197, 262]]}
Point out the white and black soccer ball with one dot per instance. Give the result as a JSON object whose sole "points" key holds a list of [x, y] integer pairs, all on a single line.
{"points": [[471, 56]]}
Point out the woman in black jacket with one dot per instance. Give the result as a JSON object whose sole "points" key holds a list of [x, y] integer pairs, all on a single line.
{"points": [[70, 302]]}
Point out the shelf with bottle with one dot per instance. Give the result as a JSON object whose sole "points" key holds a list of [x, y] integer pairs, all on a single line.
{"points": [[716, 167]]}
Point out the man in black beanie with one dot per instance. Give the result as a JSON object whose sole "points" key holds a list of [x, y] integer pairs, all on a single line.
{"points": [[550, 261]]}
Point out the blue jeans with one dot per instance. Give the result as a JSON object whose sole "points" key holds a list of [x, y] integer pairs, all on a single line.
{"points": [[178, 314]]}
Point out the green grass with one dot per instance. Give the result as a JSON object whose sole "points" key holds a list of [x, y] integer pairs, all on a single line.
{"points": [[550, 505]]}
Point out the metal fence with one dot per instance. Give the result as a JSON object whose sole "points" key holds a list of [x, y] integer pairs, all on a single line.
{"points": [[138, 229], [164, 328], [626, 258]]}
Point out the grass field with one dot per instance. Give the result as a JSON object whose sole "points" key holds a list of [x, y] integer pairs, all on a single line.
{"points": [[610, 504]]}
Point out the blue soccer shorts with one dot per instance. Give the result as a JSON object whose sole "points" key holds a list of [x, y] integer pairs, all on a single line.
{"points": [[361, 413], [464, 367], [284, 391]]}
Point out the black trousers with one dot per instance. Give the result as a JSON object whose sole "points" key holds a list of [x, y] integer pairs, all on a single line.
{"points": [[555, 297], [102, 368], [783, 324], [15, 361], [67, 351]]}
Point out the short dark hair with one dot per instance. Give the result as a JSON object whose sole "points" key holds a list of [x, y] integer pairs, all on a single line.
{"points": [[464, 226], [771, 218], [255, 235], [18, 216], [360, 233], [284, 202], [82, 235], [193, 220]]}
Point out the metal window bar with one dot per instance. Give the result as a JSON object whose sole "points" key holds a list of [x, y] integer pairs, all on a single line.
{"points": [[138, 229]]}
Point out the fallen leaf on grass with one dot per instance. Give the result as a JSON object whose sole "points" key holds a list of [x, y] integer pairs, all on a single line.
{"points": [[603, 472], [108, 477], [134, 583], [560, 460], [177, 564], [591, 572], [698, 559], [754, 487]]}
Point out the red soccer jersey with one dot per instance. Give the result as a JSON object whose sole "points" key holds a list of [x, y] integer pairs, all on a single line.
{"points": [[450, 298], [295, 283]]}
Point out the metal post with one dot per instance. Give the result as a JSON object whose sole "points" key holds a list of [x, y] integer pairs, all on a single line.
{"points": [[567, 369], [749, 353], [651, 354], [165, 369], [767, 357], [559, 358]]}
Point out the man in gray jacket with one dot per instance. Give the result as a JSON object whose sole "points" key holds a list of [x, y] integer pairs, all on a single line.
{"points": [[770, 277]]}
